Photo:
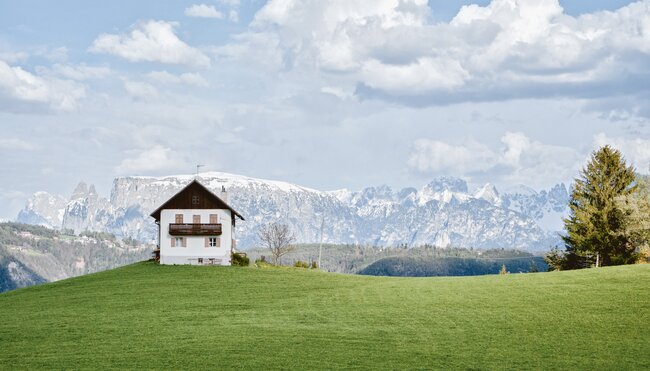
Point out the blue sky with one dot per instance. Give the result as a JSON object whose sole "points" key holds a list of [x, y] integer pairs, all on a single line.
{"points": [[340, 94]]}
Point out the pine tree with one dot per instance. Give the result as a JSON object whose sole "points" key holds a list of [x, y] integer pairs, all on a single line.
{"points": [[637, 207], [597, 226]]}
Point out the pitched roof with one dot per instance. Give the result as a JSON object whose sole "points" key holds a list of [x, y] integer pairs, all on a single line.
{"points": [[183, 200]]}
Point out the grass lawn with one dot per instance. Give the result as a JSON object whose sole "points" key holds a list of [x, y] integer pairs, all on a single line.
{"points": [[146, 316]]}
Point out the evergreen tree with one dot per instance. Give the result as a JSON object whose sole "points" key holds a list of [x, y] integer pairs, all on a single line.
{"points": [[597, 226], [637, 207]]}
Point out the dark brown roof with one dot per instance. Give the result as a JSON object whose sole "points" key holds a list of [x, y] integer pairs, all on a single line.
{"points": [[183, 200]]}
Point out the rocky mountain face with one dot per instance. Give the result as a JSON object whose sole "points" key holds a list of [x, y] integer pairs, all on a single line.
{"points": [[442, 213]]}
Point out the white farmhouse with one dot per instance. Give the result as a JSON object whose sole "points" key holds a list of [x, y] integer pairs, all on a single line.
{"points": [[196, 227]]}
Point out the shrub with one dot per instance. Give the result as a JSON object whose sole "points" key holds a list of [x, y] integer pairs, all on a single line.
{"points": [[313, 265], [240, 260], [300, 264], [644, 255], [503, 270]]}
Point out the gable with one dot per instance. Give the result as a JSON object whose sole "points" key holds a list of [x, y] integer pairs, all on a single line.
{"points": [[194, 196]]}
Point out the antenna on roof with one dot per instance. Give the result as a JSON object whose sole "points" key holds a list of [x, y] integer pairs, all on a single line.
{"points": [[197, 169]]}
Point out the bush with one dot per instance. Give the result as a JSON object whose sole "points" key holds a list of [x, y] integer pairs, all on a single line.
{"points": [[300, 264], [240, 260], [313, 265], [644, 255]]}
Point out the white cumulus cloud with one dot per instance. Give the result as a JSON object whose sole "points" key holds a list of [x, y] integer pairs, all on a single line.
{"points": [[151, 160], [24, 86], [507, 49], [152, 41], [188, 78], [519, 160], [203, 11], [140, 90], [436, 156]]}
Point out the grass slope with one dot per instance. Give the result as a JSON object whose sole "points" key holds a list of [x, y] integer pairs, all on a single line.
{"points": [[146, 316]]}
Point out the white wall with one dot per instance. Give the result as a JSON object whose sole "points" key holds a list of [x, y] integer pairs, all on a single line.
{"points": [[195, 244]]}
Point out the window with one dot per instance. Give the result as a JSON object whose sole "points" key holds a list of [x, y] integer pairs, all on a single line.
{"points": [[179, 218], [178, 241], [195, 200], [196, 219], [214, 219], [214, 242], [200, 260]]}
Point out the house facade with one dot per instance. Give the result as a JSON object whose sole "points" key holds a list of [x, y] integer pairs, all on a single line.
{"points": [[195, 226]]}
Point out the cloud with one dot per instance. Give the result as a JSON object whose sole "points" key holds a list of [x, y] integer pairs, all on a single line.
{"points": [[13, 57], [57, 54], [184, 78], [155, 159], [203, 11], [152, 41], [81, 71], [520, 160], [508, 49], [15, 144], [140, 90], [635, 150], [420, 76], [23, 86], [337, 92], [233, 15], [433, 156]]}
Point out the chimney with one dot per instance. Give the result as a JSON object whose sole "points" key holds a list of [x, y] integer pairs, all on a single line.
{"points": [[224, 194]]}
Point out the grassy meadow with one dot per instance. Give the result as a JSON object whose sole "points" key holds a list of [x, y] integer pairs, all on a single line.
{"points": [[146, 316]]}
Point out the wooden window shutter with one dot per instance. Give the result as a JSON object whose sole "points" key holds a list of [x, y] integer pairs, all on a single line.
{"points": [[213, 219], [184, 241], [173, 241], [179, 218], [196, 219], [232, 243], [218, 241], [207, 242]]}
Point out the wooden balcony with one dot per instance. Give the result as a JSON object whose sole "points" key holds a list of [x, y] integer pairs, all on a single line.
{"points": [[194, 229]]}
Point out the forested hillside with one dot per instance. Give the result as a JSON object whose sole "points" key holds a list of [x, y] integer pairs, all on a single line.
{"points": [[33, 254], [417, 261]]}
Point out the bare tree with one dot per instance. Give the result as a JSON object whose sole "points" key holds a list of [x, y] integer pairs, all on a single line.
{"points": [[277, 238]]}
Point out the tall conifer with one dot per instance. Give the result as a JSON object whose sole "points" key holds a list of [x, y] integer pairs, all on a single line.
{"points": [[596, 227]]}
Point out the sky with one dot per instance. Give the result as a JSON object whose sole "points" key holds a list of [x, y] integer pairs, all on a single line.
{"points": [[325, 94]]}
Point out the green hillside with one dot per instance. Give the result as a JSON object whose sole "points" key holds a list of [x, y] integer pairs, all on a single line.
{"points": [[146, 316]]}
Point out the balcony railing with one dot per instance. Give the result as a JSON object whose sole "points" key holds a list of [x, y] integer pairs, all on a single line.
{"points": [[194, 229]]}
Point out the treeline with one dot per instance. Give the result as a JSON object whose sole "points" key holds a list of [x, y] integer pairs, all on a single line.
{"points": [[406, 266], [453, 261]]}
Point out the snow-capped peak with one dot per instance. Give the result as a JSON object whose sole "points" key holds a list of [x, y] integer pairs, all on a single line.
{"points": [[441, 213], [489, 193]]}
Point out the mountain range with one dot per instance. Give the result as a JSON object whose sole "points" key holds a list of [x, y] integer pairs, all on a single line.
{"points": [[442, 213]]}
